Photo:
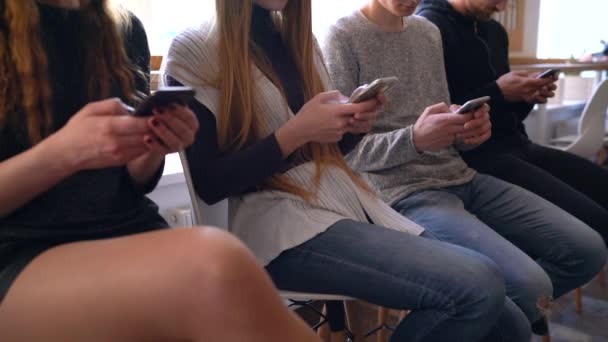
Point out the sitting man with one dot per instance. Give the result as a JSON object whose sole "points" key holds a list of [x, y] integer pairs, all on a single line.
{"points": [[411, 160], [475, 49]]}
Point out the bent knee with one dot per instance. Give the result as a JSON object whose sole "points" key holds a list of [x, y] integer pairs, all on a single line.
{"points": [[207, 254], [485, 291]]}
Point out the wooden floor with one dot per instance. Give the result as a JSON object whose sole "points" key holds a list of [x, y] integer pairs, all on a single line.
{"points": [[565, 324]]}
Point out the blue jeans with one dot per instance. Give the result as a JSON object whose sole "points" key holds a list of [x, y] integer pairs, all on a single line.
{"points": [[455, 294], [541, 250]]}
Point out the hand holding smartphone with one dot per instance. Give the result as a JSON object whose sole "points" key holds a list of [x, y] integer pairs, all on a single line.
{"points": [[163, 97], [472, 105], [372, 90]]}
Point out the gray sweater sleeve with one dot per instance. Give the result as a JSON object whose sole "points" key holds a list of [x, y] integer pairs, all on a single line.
{"points": [[377, 151]]}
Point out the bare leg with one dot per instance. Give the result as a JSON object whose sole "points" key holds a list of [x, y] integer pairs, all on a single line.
{"points": [[197, 284]]}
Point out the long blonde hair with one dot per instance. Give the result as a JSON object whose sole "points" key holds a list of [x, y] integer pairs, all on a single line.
{"points": [[238, 122], [24, 79]]}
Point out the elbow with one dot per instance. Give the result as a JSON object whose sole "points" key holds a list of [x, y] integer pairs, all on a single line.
{"points": [[208, 193]]}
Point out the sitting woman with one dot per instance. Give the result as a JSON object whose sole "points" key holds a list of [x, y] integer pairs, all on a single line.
{"points": [[83, 253], [272, 140]]}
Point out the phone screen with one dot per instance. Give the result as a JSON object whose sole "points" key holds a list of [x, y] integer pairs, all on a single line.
{"points": [[370, 91], [163, 97]]}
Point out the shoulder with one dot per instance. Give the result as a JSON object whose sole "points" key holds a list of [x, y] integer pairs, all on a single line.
{"points": [[135, 39], [194, 48], [440, 20], [496, 28], [347, 27], [195, 41], [423, 26]]}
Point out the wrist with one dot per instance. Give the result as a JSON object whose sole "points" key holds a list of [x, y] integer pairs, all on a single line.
{"points": [[290, 138], [416, 140], [55, 159]]}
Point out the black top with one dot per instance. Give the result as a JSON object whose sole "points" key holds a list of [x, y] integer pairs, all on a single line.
{"points": [[219, 175], [91, 203], [476, 54]]}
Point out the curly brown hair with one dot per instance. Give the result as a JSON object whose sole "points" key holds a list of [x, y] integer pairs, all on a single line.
{"points": [[25, 92]]}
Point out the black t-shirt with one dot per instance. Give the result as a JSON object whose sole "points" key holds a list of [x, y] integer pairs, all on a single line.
{"points": [[90, 203]]}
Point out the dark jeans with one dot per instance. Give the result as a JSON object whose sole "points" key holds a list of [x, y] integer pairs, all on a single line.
{"points": [[572, 183], [455, 294], [541, 250]]}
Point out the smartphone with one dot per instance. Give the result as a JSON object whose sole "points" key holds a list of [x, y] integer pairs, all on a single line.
{"points": [[549, 73], [472, 105], [371, 90], [164, 97]]}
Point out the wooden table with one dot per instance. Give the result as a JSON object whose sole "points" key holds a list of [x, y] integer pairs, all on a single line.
{"points": [[574, 67]]}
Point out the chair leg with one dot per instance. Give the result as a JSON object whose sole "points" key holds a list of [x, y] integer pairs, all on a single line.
{"points": [[324, 332], [578, 300], [352, 321], [547, 337], [602, 279], [382, 313], [338, 336]]}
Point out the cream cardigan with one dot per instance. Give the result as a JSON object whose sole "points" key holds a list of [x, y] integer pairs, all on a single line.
{"points": [[270, 222]]}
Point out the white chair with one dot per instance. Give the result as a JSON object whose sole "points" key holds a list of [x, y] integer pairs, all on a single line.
{"points": [[217, 215], [591, 126], [589, 143]]}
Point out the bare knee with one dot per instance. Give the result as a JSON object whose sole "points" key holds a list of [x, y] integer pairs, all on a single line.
{"points": [[211, 259]]}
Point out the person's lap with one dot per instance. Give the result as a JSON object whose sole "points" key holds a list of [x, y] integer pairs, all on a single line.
{"points": [[521, 228], [566, 180], [126, 288], [394, 270]]}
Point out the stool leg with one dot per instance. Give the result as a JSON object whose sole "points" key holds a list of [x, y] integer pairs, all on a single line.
{"points": [[352, 319], [403, 314], [338, 336], [382, 313], [547, 337], [578, 300], [324, 332]]}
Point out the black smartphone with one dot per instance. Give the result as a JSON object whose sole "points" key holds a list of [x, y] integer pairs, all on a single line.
{"points": [[371, 90], [472, 105], [164, 97], [549, 73]]}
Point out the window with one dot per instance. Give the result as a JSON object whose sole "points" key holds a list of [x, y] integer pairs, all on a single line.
{"points": [[164, 19], [571, 28]]}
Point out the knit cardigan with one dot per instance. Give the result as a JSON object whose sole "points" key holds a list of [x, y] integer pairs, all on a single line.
{"points": [[272, 221]]}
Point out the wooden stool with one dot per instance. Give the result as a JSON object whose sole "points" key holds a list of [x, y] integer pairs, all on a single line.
{"points": [[578, 293]]}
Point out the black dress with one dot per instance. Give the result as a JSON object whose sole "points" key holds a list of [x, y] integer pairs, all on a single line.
{"points": [[90, 204]]}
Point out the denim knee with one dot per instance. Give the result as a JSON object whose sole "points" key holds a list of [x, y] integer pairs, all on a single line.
{"points": [[486, 292], [592, 256], [532, 290]]}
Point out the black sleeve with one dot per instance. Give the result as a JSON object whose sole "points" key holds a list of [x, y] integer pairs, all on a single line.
{"points": [[217, 175], [349, 142], [138, 52]]}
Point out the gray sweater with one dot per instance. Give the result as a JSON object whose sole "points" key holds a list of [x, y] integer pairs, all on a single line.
{"points": [[357, 52]]}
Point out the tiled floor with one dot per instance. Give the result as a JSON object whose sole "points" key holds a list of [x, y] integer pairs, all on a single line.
{"points": [[565, 324]]}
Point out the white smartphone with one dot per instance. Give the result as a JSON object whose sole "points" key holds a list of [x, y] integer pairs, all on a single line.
{"points": [[371, 90], [472, 105]]}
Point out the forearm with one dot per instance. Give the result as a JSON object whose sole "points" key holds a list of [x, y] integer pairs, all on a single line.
{"points": [[289, 138], [381, 151], [28, 174]]}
